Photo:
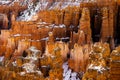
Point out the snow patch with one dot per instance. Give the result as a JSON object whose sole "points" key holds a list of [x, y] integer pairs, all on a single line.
{"points": [[4, 2], [68, 74]]}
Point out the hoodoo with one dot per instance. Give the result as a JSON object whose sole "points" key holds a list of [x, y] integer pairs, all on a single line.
{"points": [[59, 39]]}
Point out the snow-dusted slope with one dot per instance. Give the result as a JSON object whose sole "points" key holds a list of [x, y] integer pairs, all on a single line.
{"points": [[26, 2], [2, 2], [34, 6], [28, 14], [63, 5]]}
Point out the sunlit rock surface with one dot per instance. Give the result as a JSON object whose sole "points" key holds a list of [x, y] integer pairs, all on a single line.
{"points": [[59, 39]]}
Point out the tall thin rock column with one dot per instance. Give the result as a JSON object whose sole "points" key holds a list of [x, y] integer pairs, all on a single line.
{"points": [[107, 25], [76, 61], [85, 24], [12, 19], [111, 22], [112, 27], [104, 29], [50, 44], [81, 39], [76, 17]]}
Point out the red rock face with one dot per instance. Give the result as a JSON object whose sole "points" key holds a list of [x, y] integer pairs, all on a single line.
{"points": [[81, 57], [104, 29], [58, 24], [85, 24], [3, 21], [84, 33], [81, 39], [23, 45], [107, 29], [4, 36]]}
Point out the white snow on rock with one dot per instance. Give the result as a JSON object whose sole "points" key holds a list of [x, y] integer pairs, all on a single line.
{"points": [[98, 68], [31, 12], [59, 26], [63, 5], [4, 2], [16, 35], [73, 78], [74, 74], [29, 67], [1, 58], [47, 38], [67, 77], [25, 2], [22, 73], [34, 8], [68, 74]]}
